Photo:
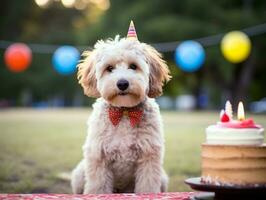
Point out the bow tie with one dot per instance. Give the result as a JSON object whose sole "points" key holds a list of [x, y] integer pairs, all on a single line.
{"points": [[134, 115]]}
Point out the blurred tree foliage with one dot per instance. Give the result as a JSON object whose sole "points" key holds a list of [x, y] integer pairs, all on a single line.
{"points": [[156, 21]]}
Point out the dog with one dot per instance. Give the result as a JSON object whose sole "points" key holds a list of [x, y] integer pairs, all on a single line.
{"points": [[124, 149]]}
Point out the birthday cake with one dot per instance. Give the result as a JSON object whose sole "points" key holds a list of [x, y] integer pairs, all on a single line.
{"points": [[234, 152]]}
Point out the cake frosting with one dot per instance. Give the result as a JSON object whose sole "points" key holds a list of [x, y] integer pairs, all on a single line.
{"points": [[234, 132], [216, 134], [234, 153]]}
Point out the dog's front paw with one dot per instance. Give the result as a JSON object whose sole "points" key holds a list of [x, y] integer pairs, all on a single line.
{"points": [[97, 191], [148, 189], [93, 189]]}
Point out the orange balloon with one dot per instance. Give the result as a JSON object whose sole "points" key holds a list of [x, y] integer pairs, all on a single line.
{"points": [[18, 57]]}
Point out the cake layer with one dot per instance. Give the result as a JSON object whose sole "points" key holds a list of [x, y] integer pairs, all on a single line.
{"points": [[235, 177], [234, 164], [234, 136], [233, 151]]}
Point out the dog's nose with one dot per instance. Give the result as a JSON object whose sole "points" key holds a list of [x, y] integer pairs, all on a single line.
{"points": [[122, 84]]}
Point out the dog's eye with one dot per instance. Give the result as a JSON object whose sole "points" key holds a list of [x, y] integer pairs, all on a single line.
{"points": [[109, 68], [133, 66]]}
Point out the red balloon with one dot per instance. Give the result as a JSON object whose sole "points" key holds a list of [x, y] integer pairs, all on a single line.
{"points": [[18, 57]]}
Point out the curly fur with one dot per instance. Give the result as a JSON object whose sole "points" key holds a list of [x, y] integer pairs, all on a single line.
{"points": [[120, 158]]}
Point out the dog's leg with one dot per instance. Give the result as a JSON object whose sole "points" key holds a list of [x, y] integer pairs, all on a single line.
{"points": [[148, 175], [78, 178], [164, 180], [99, 179]]}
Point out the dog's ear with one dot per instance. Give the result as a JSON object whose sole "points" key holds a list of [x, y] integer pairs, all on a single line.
{"points": [[86, 74], [159, 72]]}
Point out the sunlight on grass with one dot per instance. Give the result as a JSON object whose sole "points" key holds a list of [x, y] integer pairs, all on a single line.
{"points": [[36, 145]]}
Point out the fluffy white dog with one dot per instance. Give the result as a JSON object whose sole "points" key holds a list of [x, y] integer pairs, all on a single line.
{"points": [[124, 148]]}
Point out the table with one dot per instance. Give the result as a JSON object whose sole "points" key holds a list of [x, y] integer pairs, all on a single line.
{"points": [[169, 195]]}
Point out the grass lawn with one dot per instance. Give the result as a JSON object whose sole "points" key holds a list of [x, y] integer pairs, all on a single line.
{"points": [[37, 145]]}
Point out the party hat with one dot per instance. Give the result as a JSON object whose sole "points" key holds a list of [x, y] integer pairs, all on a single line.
{"points": [[131, 34]]}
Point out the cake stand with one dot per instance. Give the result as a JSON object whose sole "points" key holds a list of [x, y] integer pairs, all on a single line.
{"points": [[219, 192]]}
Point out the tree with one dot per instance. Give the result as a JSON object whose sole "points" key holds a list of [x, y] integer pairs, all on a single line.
{"points": [[155, 21]]}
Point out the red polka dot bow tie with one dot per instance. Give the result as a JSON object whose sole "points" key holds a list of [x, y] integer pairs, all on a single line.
{"points": [[134, 115]]}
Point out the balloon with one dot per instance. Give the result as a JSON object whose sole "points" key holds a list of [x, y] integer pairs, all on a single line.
{"points": [[235, 46], [189, 56], [65, 59], [18, 57]]}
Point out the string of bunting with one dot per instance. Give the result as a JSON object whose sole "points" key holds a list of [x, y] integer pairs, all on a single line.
{"points": [[189, 55]]}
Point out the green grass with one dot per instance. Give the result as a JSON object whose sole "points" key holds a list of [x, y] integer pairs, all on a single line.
{"points": [[37, 145]]}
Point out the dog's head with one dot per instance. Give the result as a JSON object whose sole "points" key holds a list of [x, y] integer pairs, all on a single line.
{"points": [[123, 72]]}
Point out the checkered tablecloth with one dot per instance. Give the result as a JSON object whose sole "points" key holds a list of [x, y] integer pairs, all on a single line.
{"points": [[174, 195]]}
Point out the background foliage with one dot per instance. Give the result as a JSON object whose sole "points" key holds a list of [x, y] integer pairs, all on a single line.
{"points": [[155, 21]]}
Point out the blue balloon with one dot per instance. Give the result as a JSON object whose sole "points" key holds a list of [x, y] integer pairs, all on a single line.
{"points": [[65, 59], [189, 56]]}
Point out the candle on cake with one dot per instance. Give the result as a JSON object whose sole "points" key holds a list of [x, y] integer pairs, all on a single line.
{"points": [[226, 118]]}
